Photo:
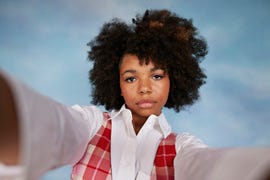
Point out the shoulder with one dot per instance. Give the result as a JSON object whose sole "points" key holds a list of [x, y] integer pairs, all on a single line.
{"points": [[186, 142], [93, 115], [88, 112]]}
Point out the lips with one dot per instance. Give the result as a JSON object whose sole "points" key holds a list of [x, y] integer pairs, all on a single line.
{"points": [[146, 103]]}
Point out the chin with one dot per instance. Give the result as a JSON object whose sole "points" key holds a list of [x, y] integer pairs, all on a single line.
{"points": [[148, 112]]}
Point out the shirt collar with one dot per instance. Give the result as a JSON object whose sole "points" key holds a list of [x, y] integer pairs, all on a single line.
{"points": [[160, 122]]}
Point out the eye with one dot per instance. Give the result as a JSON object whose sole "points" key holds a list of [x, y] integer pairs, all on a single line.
{"points": [[157, 76], [130, 79]]}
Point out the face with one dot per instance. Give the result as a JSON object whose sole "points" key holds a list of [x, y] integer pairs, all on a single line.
{"points": [[145, 88]]}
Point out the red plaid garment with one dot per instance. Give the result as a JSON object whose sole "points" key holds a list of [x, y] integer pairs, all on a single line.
{"points": [[163, 164], [96, 162]]}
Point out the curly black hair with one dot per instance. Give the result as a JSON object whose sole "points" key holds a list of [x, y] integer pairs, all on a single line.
{"points": [[168, 40]]}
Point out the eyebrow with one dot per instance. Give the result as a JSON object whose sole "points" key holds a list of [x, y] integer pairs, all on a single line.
{"points": [[133, 71]]}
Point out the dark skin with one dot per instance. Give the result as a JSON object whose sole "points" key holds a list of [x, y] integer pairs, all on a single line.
{"points": [[144, 87], [9, 130]]}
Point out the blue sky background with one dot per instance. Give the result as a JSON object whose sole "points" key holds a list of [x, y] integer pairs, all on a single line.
{"points": [[43, 43]]}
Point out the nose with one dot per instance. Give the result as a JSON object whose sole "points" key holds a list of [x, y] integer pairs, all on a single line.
{"points": [[144, 87]]}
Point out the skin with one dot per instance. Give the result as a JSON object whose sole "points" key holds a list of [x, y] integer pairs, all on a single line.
{"points": [[9, 130], [144, 87]]}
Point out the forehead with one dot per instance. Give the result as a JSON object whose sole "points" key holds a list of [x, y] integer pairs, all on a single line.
{"points": [[132, 61]]}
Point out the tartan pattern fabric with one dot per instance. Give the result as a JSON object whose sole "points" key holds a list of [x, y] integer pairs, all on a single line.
{"points": [[163, 164], [96, 162]]}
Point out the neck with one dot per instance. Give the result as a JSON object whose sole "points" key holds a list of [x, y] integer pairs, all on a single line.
{"points": [[138, 123]]}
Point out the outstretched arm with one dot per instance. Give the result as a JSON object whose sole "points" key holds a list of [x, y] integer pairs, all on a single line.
{"points": [[38, 133], [9, 130], [232, 163]]}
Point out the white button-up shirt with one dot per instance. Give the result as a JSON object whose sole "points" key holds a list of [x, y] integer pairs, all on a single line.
{"points": [[54, 135], [133, 155]]}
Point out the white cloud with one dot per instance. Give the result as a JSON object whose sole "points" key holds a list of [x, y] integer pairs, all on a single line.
{"points": [[256, 79], [223, 32]]}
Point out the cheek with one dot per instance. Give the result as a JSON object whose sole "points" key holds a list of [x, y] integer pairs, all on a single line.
{"points": [[128, 97], [126, 91], [123, 89], [165, 90]]}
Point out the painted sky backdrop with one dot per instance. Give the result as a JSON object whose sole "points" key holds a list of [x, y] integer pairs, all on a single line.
{"points": [[43, 43]]}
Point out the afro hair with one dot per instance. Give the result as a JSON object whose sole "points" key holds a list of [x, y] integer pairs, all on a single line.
{"points": [[168, 40]]}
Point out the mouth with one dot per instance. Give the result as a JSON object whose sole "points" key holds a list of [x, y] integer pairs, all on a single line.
{"points": [[145, 103]]}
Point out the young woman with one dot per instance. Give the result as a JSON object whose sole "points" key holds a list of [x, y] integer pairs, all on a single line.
{"points": [[138, 69]]}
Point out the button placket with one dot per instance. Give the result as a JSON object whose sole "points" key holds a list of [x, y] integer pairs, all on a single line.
{"points": [[128, 159]]}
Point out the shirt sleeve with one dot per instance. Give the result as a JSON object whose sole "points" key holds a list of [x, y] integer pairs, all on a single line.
{"points": [[194, 160], [186, 142], [51, 134]]}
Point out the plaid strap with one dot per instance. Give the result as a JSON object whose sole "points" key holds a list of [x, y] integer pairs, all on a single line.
{"points": [[96, 162], [163, 164]]}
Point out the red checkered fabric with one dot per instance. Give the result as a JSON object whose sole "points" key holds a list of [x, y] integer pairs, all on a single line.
{"points": [[163, 165], [96, 162]]}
